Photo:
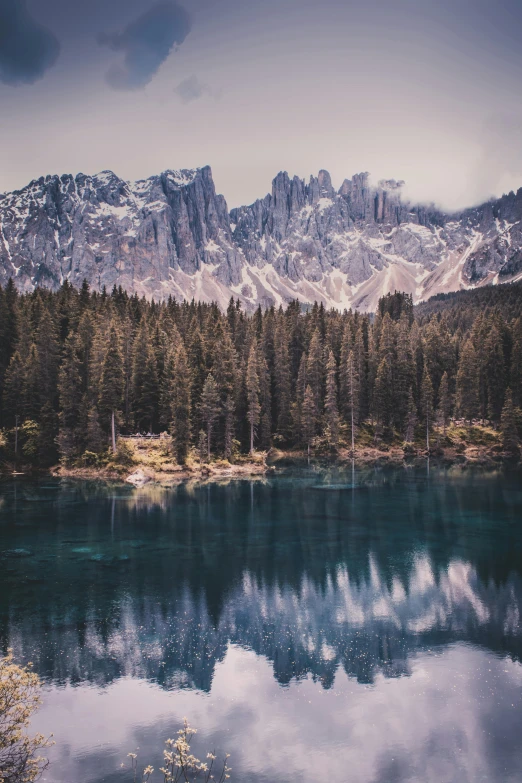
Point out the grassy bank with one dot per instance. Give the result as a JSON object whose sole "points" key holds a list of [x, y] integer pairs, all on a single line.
{"points": [[141, 460], [144, 460]]}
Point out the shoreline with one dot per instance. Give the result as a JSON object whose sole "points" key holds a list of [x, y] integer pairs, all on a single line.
{"points": [[138, 462], [140, 474]]}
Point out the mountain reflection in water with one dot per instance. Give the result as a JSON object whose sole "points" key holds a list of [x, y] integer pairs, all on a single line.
{"points": [[339, 586]]}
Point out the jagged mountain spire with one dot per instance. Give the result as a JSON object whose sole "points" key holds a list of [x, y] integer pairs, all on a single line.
{"points": [[172, 234]]}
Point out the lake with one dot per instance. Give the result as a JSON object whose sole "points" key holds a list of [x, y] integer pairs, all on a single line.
{"points": [[317, 625]]}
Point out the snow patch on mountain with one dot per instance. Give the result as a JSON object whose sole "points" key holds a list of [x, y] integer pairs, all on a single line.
{"points": [[172, 235]]}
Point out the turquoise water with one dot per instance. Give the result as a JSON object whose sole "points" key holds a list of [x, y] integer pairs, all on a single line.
{"points": [[317, 625]]}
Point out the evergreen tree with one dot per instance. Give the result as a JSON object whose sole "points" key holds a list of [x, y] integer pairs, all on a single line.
{"points": [[48, 431], [296, 342], [282, 397], [387, 341], [265, 399], [180, 404], [209, 407], [172, 343], [232, 317], [9, 329], [297, 404], [315, 368], [197, 358], [382, 397], [95, 441], [31, 397], [224, 364], [48, 364], [361, 371], [13, 397], [344, 373], [427, 403], [495, 374], [165, 391], [145, 385], [84, 296], [127, 338], [229, 414], [25, 329], [397, 305], [353, 394], [516, 363], [85, 334], [308, 417], [404, 372], [437, 352], [70, 386], [417, 350], [468, 382], [411, 418], [202, 446], [252, 389], [331, 408], [508, 426], [444, 401], [371, 375], [226, 374], [111, 383]]}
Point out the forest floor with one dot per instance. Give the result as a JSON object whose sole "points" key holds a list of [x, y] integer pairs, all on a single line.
{"points": [[142, 461]]}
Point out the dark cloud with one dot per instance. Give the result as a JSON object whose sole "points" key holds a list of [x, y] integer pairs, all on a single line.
{"points": [[146, 44], [191, 89], [27, 49]]}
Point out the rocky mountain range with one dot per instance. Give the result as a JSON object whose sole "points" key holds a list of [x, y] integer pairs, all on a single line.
{"points": [[172, 234]]}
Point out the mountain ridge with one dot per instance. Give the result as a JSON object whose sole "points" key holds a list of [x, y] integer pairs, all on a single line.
{"points": [[173, 234]]}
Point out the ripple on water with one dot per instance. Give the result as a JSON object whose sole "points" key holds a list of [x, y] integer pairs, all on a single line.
{"points": [[336, 487], [109, 560]]}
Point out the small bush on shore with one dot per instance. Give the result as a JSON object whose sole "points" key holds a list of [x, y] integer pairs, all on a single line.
{"points": [[126, 453], [92, 460]]}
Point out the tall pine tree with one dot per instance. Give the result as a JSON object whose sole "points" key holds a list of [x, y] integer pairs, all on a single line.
{"points": [[252, 389], [330, 405], [209, 407], [111, 383], [468, 382]]}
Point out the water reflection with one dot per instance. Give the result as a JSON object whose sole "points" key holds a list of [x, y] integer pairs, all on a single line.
{"points": [[456, 718], [363, 624], [324, 582]]}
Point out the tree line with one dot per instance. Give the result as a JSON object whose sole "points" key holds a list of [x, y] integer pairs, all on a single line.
{"points": [[79, 367]]}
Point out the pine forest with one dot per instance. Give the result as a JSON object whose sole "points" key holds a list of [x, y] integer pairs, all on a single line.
{"points": [[79, 368]]}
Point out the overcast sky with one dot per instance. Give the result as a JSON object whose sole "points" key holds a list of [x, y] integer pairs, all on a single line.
{"points": [[421, 90]]}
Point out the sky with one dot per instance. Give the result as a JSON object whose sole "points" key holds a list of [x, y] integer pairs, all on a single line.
{"points": [[424, 91]]}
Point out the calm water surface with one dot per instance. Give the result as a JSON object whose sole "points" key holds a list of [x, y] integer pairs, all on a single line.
{"points": [[317, 626]]}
